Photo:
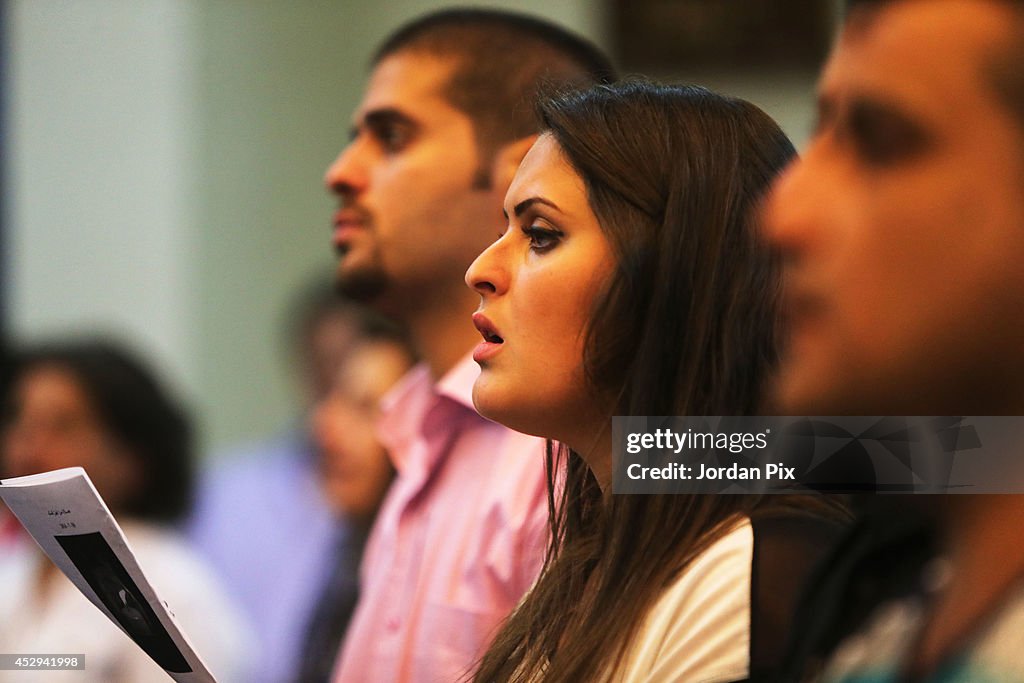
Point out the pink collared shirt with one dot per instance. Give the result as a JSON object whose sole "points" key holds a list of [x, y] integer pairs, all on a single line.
{"points": [[458, 541]]}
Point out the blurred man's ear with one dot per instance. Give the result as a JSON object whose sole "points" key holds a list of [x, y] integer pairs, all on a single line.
{"points": [[507, 160]]}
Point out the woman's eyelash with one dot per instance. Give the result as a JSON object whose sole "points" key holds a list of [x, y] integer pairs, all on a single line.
{"points": [[542, 239]]}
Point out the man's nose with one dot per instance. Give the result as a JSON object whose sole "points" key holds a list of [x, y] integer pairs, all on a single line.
{"points": [[346, 176]]}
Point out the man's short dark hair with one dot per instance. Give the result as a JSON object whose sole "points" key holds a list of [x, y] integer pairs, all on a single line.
{"points": [[1004, 72], [502, 61]]}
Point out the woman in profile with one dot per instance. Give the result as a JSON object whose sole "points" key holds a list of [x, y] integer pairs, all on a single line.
{"points": [[630, 281]]}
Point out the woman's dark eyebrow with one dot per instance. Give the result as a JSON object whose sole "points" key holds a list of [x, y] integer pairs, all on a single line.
{"points": [[527, 203]]}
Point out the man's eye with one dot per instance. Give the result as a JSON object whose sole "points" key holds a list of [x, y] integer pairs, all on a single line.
{"points": [[882, 138], [392, 138], [542, 239]]}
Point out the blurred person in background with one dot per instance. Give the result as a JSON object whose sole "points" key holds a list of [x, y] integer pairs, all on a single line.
{"points": [[355, 473], [902, 232], [92, 405], [10, 527], [444, 122], [355, 468], [264, 516]]}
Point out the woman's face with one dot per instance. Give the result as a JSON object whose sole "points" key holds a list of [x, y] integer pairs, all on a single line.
{"points": [[537, 284], [54, 425]]}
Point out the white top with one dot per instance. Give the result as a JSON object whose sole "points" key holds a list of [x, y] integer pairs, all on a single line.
{"points": [[67, 623], [699, 630]]}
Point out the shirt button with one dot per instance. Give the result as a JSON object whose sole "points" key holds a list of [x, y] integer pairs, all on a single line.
{"points": [[393, 623]]}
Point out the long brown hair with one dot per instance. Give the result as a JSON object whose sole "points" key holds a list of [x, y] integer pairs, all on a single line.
{"points": [[685, 326]]}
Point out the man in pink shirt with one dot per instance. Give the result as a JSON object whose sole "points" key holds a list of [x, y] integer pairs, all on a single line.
{"points": [[443, 124]]}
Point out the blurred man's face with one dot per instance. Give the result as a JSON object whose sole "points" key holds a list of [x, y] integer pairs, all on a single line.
{"points": [[903, 224], [411, 215], [323, 349], [355, 468]]}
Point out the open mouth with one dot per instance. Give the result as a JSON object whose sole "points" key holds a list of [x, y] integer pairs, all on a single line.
{"points": [[487, 329]]}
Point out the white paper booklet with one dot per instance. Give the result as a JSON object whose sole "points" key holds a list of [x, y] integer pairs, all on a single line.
{"points": [[71, 523]]}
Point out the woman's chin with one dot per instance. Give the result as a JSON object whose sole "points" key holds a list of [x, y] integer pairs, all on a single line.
{"points": [[498, 407], [485, 402], [495, 411]]}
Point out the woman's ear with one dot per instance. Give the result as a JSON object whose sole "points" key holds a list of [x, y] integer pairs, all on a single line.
{"points": [[507, 160]]}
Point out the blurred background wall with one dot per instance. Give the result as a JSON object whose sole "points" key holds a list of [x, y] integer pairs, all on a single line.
{"points": [[162, 165]]}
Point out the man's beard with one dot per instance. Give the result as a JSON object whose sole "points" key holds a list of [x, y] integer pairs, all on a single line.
{"points": [[365, 284]]}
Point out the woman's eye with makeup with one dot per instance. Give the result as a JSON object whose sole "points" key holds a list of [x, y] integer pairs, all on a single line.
{"points": [[542, 239]]}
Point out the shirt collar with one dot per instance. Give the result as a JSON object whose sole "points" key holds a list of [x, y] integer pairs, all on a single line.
{"points": [[457, 383], [405, 408]]}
